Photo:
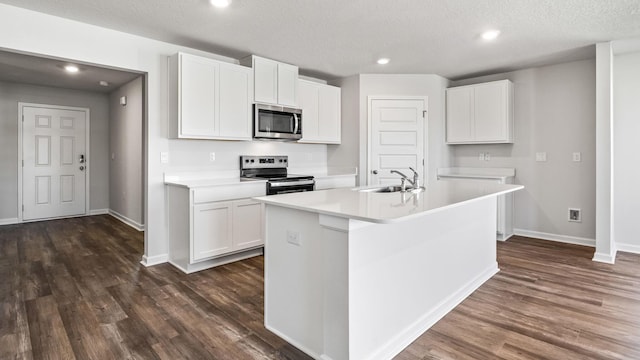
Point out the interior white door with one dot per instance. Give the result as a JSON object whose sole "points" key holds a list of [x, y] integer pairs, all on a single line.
{"points": [[54, 170], [396, 139]]}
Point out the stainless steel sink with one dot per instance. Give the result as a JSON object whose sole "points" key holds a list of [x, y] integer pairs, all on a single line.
{"points": [[391, 189]]}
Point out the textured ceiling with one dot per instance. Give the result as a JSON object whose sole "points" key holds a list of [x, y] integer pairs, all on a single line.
{"points": [[336, 38], [27, 69]]}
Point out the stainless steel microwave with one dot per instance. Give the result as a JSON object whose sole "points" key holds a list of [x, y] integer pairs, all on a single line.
{"points": [[277, 122]]}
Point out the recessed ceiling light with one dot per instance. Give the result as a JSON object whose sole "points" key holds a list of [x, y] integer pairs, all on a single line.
{"points": [[220, 3], [490, 34], [383, 61], [71, 68], [103, 83]]}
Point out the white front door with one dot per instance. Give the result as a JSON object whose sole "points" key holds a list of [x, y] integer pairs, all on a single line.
{"points": [[53, 151], [396, 139]]}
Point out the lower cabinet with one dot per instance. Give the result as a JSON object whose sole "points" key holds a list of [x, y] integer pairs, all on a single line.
{"points": [[212, 233], [226, 226]]}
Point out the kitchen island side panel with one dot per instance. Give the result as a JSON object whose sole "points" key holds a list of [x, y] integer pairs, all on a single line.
{"points": [[351, 289]]}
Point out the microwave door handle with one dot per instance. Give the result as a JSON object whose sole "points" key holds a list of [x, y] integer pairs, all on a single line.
{"points": [[295, 129]]}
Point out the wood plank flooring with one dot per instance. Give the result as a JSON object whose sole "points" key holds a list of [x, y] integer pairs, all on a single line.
{"points": [[74, 289]]}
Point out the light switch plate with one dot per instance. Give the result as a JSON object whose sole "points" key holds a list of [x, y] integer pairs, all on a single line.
{"points": [[212, 156], [481, 157], [541, 156], [487, 157], [577, 156], [164, 157]]}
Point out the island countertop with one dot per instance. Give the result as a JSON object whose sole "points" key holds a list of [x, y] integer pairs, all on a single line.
{"points": [[388, 207]]}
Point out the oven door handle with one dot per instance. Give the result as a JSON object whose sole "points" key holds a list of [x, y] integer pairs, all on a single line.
{"points": [[291, 183]]}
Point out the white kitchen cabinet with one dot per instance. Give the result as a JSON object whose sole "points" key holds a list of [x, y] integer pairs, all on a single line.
{"points": [[480, 113], [212, 235], [321, 112], [209, 99], [210, 226], [275, 82], [247, 224]]}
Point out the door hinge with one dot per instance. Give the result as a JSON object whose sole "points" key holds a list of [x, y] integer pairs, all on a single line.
{"points": [[424, 114]]}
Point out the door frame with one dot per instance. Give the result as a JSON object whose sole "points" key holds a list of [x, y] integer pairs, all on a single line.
{"points": [[425, 130], [87, 179]]}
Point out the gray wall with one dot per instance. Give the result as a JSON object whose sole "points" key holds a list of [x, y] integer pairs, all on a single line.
{"points": [[126, 152], [357, 89], [626, 147], [10, 95], [554, 113]]}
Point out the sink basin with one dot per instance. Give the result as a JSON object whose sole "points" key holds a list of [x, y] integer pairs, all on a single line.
{"points": [[391, 189], [384, 189]]}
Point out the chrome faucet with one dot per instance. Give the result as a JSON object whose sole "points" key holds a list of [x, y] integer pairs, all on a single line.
{"points": [[415, 182]]}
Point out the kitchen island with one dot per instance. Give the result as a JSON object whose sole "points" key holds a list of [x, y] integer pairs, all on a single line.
{"points": [[353, 274]]}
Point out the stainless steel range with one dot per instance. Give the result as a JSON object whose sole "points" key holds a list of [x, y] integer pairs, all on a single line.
{"points": [[274, 169]]}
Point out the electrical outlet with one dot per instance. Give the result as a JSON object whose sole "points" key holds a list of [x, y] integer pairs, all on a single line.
{"points": [[293, 237], [481, 157], [487, 157], [212, 156], [164, 157], [577, 156], [575, 215], [541, 156]]}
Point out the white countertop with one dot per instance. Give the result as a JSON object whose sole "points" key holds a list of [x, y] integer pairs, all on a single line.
{"points": [[477, 173], [388, 207], [196, 179], [197, 183]]}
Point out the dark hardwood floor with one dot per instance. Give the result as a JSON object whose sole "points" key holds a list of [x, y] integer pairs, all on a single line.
{"points": [[75, 289]]}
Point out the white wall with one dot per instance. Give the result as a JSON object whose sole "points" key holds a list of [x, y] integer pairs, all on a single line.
{"points": [[92, 44], [554, 113], [10, 95], [126, 153], [360, 87], [626, 148]]}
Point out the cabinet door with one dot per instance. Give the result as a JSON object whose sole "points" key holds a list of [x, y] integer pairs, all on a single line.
{"points": [[198, 96], [308, 101], [236, 85], [329, 114], [287, 85], [490, 109], [459, 114], [265, 80], [247, 224], [211, 230]]}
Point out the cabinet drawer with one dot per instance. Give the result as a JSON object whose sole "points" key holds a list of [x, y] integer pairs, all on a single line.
{"points": [[229, 192]]}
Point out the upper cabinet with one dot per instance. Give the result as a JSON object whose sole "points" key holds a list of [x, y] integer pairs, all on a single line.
{"points": [[480, 113], [275, 82], [209, 99], [321, 112]]}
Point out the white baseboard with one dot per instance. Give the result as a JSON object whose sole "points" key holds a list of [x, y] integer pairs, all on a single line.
{"points": [[134, 224], [555, 237], [98, 212], [630, 248], [9, 221], [604, 258], [154, 260]]}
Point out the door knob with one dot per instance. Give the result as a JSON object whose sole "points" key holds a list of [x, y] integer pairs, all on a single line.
{"points": [[81, 168], [374, 172]]}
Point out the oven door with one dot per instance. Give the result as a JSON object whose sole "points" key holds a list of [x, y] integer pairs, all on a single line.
{"points": [[285, 187], [277, 122]]}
